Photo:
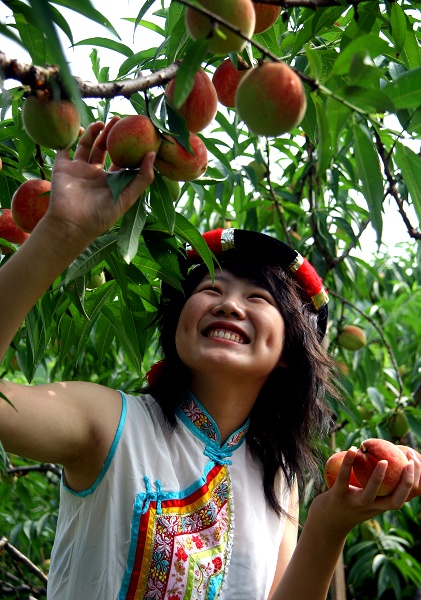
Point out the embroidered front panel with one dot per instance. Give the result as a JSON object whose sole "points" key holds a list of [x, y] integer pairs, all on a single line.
{"points": [[180, 542]]}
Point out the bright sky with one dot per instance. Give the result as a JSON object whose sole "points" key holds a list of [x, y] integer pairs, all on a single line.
{"points": [[116, 11]]}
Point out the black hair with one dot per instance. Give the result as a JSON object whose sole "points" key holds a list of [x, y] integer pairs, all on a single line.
{"points": [[289, 415]]}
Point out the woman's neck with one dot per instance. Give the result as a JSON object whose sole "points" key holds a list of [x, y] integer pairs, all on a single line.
{"points": [[229, 403]]}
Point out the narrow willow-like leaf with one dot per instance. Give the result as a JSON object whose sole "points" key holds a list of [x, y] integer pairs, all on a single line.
{"points": [[368, 44], [91, 257], [190, 65], [67, 337], [104, 336], [368, 169], [118, 180], [131, 230], [398, 23], [409, 163], [323, 139], [85, 8], [44, 18], [164, 250], [405, 92], [146, 6], [162, 203], [97, 299], [189, 233], [106, 43], [179, 129], [76, 292]]}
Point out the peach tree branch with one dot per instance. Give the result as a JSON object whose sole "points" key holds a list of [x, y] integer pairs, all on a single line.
{"points": [[17, 556]]}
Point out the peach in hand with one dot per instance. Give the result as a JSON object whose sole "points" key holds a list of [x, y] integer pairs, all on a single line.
{"points": [[370, 453], [131, 139], [333, 464]]}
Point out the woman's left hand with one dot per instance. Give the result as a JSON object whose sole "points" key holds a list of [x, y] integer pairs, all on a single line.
{"points": [[344, 506]]}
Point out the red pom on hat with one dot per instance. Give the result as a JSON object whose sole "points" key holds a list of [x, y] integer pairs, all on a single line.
{"points": [[213, 240]]}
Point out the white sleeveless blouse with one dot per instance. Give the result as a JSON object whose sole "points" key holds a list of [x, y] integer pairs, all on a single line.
{"points": [[172, 515]]}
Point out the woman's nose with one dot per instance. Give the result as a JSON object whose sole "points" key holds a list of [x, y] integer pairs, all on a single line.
{"points": [[229, 306]]}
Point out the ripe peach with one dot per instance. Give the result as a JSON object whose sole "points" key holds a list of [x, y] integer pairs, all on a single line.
{"points": [[239, 13], [270, 99], [352, 337], [177, 163], [405, 450], [266, 16], [51, 123], [130, 139], [30, 203], [9, 231], [333, 464], [201, 105], [370, 453], [226, 79]]}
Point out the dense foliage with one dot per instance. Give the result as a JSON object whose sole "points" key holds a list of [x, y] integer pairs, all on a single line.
{"points": [[355, 153]]}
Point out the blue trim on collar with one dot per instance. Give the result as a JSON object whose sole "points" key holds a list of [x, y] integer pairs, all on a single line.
{"points": [[196, 418]]}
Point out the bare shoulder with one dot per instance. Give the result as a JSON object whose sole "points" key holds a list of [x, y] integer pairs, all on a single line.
{"points": [[70, 423]]}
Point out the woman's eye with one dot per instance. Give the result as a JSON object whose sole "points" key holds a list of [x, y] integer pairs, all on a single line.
{"points": [[261, 297]]}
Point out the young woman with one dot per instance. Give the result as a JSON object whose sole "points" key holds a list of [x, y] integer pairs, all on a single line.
{"points": [[190, 489]]}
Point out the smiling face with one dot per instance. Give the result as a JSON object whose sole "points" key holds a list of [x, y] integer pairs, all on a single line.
{"points": [[232, 327]]}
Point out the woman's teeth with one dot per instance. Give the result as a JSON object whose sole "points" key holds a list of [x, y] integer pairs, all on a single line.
{"points": [[226, 335]]}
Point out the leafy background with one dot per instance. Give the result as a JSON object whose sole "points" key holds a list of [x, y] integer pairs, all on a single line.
{"points": [[330, 182]]}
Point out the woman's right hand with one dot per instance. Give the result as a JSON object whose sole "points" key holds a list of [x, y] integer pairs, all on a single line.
{"points": [[81, 202]]}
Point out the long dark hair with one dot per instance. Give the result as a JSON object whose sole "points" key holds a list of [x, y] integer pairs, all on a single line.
{"points": [[289, 415]]}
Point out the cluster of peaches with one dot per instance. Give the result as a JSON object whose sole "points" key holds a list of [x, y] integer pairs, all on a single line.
{"points": [[368, 455], [268, 97]]}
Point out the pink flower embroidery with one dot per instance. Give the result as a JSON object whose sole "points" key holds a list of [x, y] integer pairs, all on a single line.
{"points": [[198, 542], [181, 554], [217, 564]]}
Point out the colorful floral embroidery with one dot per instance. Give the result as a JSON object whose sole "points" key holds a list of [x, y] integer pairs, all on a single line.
{"points": [[181, 544], [206, 426]]}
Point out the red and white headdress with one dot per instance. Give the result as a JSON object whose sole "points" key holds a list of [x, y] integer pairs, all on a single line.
{"points": [[251, 245]]}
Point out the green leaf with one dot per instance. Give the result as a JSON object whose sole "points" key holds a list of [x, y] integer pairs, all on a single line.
{"points": [[405, 92], [337, 115], [92, 256], [368, 170], [190, 65], [146, 6], [106, 43], [85, 8], [410, 53], [7, 32], [398, 25], [377, 399], [365, 45], [162, 203], [192, 236], [409, 163], [44, 19], [118, 180], [314, 61], [96, 301], [76, 292], [323, 138], [104, 336], [131, 230]]}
